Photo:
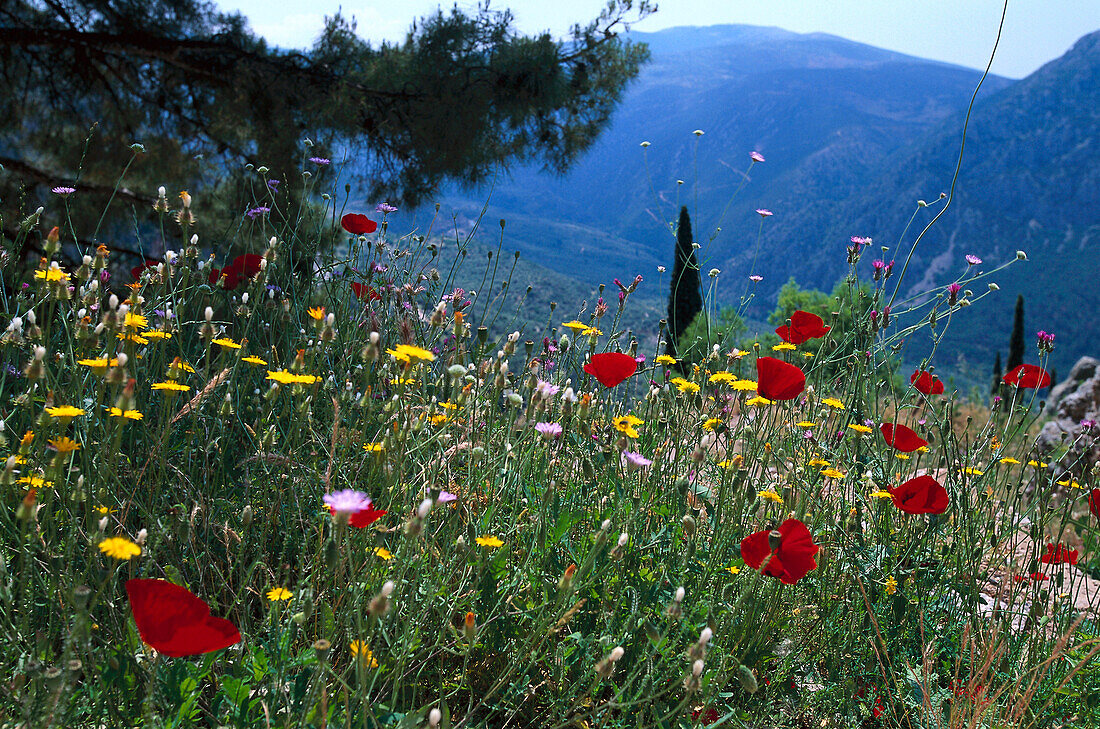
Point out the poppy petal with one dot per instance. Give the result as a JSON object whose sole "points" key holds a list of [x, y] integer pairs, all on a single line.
{"points": [[794, 558], [926, 383], [779, 380], [364, 292], [1094, 503], [136, 271], [901, 437], [611, 368], [176, 622], [804, 326], [1027, 375], [358, 224], [921, 495], [364, 518]]}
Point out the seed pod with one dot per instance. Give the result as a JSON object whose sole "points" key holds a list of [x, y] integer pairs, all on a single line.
{"points": [[746, 678]]}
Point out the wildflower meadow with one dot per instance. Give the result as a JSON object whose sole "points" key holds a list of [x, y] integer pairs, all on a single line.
{"points": [[240, 494]]}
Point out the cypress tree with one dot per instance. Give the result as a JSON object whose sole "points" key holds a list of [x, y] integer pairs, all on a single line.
{"points": [[1016, 342], [996, 375], [685, 299]]}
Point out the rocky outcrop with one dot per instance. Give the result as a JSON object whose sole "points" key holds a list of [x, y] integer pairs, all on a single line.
{"points": [[1073, 434]]}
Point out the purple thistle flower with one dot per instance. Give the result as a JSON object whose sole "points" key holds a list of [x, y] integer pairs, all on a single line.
{"points": [[756, 157], [973, 260], [273, 185], [320, 160], [549, 431], [384, 208], [258, 211], [756, 278], [636, 461], [545, 390], [764, 212], [347, 501], [63, 190], [445, 497]]}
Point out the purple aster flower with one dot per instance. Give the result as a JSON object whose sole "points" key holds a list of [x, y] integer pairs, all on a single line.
{"points": [[63, 190], [764, 212], [258, 211], [549, 431], [445, 497], [861, 240], [636, 461], [756, 278], [972, 259], [384, 208], [320, 160], [756, 157], [347, 501], [273, 185]]}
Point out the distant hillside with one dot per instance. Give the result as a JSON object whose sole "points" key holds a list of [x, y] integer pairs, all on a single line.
{"points": [[1030, 181], [853, 136]]}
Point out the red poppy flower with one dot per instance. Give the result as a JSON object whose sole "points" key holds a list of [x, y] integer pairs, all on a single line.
{"points": [[921, 495], [358, 224], [778, 380], [902, 437], [1094, 503], [136, 271], [1027, 375], [804, 326], [611, 368], [926, 383], [1059, 554], [791, 561], [243, 267], [364, 292], [176, 622], [1039, 577], [364, 518]]}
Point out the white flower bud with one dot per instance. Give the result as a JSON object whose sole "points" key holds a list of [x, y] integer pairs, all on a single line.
{"points": [[623, 539], [434, 717], [679, 597], [705, 636], [424, 508], [387, 589], [39, 353], [123, 358], [615, 654], [697, 668], [161, 192], [606, 525], [112, 302], [103, 524], [208, 314], [244, 298], [141, 537]]}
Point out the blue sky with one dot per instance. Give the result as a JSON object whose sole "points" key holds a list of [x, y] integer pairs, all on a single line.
{"points": [[956, 31]]}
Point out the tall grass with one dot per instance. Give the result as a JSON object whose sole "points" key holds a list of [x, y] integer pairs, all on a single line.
{"points": [[519, 578]]}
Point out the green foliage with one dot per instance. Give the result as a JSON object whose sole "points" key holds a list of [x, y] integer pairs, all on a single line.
{"points": [[462, 96], [685, 299], [725, 330]]}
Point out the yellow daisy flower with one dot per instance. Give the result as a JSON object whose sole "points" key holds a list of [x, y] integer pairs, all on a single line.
{"points": [[317, 313], [744, 385], [860, 428], [383, 553], [373, 447], [64, 413], [226, 343], [833, 403], [664, 359], [768, 495], [832, 473], [722, 377], [170, 385], [156, 334], [407, 353], [783, 347], [135, 321], [360, 650], [489, 542], [252, 359], [758, 401], [289, 378], [119, 548], [64, 445], [278, 594], [684, 385], [881, 495], [1010, 461], [591, 332], [128, 414]]}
